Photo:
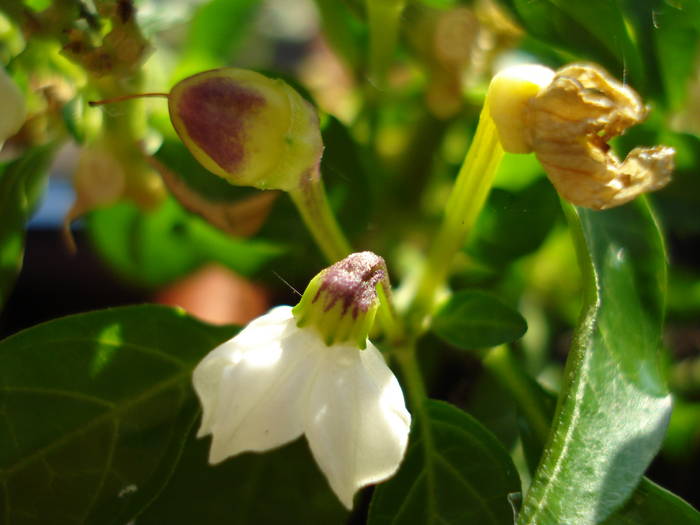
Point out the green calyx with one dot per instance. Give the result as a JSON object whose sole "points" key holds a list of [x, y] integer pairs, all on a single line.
{"points": [[341, 301]]}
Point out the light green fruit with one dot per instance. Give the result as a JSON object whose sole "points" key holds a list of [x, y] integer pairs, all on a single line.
{"points": [[247, 128]]}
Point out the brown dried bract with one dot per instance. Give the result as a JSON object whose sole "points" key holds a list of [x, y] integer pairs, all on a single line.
{"points": [[569, 124]]}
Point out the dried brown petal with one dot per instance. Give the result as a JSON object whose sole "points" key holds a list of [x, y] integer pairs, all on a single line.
{"points": [[568, 126]]}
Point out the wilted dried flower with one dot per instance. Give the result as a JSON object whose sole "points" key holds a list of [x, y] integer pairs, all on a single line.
{"points": [[571, 121], [568, 122]]}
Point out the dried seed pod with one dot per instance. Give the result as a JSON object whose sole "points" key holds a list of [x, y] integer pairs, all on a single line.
{"points": [[247, 128]]}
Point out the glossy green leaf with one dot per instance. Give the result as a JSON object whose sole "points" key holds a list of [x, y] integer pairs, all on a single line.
{"points": [[614, 406], [94, 409], [455, 472], [22, 183], [595, 30], [470, 320], [152, 248], [652, 505], [279, 486], [648, 505]]}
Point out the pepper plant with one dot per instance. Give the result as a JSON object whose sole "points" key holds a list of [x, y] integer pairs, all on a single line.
{"points": [[473, 222]]}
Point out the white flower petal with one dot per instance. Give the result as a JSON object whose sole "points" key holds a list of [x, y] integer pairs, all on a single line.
{"points": [[253, 387], [356, 421]]}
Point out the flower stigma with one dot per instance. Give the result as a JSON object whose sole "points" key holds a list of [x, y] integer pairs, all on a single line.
{"points": [[341, 301]]}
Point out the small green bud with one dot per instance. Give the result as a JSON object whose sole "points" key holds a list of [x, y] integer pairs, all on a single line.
{"points": [[341, 301], [247, 128]]}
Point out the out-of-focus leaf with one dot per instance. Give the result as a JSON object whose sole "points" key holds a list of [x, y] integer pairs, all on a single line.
{"points": [[177, 158], [94, 411], [682, 440], [470, 320], [595, 30], [513, 224], [154, 248], [614, 406], [678, 202], [346, 178], [238, 211], [344, 32], [279, 486], [666, 34], [455, 472], [518, 171], [22, 184], [214, 32]]}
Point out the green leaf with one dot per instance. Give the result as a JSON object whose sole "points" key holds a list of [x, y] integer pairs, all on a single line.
{"points": [[595, 30], [22, 184], [176, 157], [614, 405], [344, 31], [470, 320], [94, 409], [156, 247], [677, 35], [279, 486], [651, 504], [648, 505], [455, 471], [667, 35], [513, 224], [346, 178], [215, 31]]}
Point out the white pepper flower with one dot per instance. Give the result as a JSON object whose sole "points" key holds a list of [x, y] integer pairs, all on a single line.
{"points": [[12, 107], [302, 371]]}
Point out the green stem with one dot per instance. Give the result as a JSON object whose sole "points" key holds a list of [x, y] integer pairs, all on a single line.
{"points": [[312, 203], [468, 196], [384, 19], [389, 318], [501, 363], [406, 357]]}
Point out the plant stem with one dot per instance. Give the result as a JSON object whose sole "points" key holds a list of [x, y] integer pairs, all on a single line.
{"points": [[384, 20], [392, 324], [463, 207], [406, 357], [311, 201]]}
